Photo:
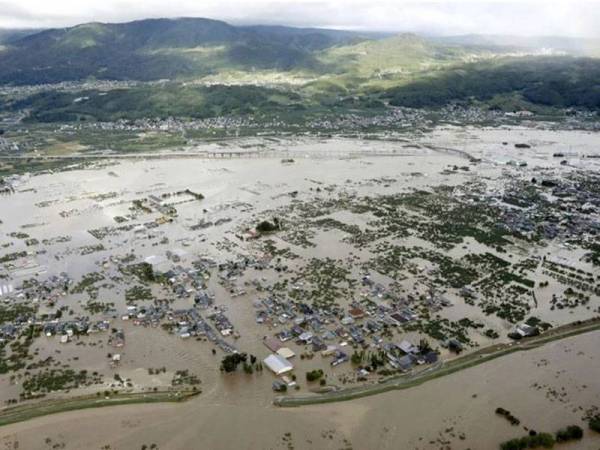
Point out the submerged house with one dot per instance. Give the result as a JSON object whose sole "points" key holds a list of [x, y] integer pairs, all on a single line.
{"points": [[408, 347], [525, 330], [272, 344], [406, 362], [278, 364]]}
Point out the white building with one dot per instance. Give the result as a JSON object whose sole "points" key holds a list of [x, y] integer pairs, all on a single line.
{"points": [[278, 364]]}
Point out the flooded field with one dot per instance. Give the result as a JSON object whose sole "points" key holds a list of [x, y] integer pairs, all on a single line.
{"points": [[351, 260]]}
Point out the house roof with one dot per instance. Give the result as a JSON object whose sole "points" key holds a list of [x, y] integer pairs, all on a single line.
{"points": [[405, 362], [278, 364], [356, 312], [407, 347], [286, 352], [431, 357], [272, 344], [307, 335]]}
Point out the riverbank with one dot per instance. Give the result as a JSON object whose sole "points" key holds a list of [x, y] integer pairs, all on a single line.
{"points": [[441, 369], [31, 411], [546, 388]]}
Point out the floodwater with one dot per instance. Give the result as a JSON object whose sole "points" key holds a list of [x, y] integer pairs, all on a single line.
{"points": [[546, 389], [457, 411]]}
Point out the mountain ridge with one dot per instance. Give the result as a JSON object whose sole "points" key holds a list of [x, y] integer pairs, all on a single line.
{"points": [[123, 50]]}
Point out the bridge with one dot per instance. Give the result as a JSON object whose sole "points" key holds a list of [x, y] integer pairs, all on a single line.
{"points": [[219, 154]]}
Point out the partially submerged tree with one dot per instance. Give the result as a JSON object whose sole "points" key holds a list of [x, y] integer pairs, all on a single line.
{"points": [[268, 227], [231, 362]]}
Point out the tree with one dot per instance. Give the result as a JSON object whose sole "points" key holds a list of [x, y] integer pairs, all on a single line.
{"points": [[147, 272], [267, 227], [357, 357], [314, 375], [231, 362], [570, 433], [594, 423], [377, 361], [424, 346]]}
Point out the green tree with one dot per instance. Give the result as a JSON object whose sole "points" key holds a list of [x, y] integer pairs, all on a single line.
{"points": [[231, 362]]}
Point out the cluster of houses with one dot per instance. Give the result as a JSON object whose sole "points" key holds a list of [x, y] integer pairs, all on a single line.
{"points": [[10, 330], [394, 117], [222, 323], [583, 218], [405, 355], [8, 146], [183, 281], [147, 316], [47, 291], [361, 323], [169, 124], [68, 329], [190, 323], [564, 208], [331, 332], [65, 329], [186, 323]]}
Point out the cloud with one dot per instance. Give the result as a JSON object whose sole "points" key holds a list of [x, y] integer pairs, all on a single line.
{"points": [[525, 17]]}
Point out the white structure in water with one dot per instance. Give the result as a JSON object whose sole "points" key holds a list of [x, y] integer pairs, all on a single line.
{"points": [[278, 364]]}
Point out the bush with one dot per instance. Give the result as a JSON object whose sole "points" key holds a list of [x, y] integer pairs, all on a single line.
{"points": [[541, 440], [594, 423], [267, 227], [513, 444], [512, 419], [357, 357], [544, 440], [572, 432], [314, 375]]}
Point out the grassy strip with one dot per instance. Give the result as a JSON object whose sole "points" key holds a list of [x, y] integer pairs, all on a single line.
{"points": [[440, 369], [31, 411]]}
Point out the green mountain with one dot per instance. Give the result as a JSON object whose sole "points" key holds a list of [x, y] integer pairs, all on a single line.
{"points": [[162, 101], [193, 48], [387, 62], [162, 48], [8, 36], [548, 81], [218, 69]]}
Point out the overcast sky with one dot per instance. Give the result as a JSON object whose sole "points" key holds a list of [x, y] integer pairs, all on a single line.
{"points": [[524, 17]]}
